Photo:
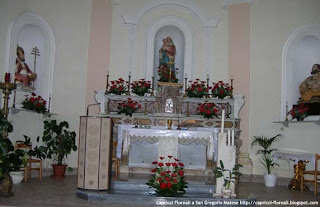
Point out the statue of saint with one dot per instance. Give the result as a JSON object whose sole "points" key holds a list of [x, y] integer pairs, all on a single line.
{"points": [[167, 53], [23, 73], [310, 87]]}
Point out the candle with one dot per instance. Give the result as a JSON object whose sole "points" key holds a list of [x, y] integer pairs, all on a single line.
{"points": [[185, 75], [222, 121], [129, 73], [231, 76], [232, 135], [7, 78], [208, 75], [229, 137], [108, 72]]}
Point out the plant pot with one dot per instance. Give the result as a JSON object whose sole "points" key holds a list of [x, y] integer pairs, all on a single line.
{"points": [[16, 176], [226, 193], [270, 179], [58, 171]]}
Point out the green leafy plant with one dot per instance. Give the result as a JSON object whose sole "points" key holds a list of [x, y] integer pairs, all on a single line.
{"points": [[6, 145], [169, 177], [18, 158], [266, 152], [37, 152], [229, 176], [58, 139]]}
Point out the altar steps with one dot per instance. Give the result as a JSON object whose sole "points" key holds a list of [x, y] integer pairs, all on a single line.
{"points": [[134, 191]]}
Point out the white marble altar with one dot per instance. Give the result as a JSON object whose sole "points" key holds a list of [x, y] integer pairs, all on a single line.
{"points": [[158, 141]]}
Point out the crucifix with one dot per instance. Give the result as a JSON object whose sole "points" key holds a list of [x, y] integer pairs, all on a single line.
{"points": [[35, 52]]}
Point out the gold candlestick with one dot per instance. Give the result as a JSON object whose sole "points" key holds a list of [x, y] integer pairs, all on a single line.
{"points": [[107, 86], [14, 99], [231, 96], [185, 86], [152, 88], [169, 122], [128, 92], [6, 90], [145, 107], [207, 86]]}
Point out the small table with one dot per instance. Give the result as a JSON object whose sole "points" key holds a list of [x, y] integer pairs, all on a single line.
{"points": [[300, 159]]}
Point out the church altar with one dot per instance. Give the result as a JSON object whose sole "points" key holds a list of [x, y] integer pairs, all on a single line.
{"points": [[144, 136]]}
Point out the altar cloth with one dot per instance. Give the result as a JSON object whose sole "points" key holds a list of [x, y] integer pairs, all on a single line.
{"points": [[127, 135]]}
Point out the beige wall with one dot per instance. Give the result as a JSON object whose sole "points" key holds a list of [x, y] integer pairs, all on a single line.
{"points": [[272, 22], [70, 24]]}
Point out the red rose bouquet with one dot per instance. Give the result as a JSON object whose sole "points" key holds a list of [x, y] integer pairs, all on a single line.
{"points": [[118, 87], [208, 110], [198, 89], [221, 89], [35, 103], [164, 74], [299, 112], [169, 177], [140, 87], [128, 107]]}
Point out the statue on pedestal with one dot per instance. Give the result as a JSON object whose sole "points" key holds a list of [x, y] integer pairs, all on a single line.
{"points": [[310, 87], [166, 70]]}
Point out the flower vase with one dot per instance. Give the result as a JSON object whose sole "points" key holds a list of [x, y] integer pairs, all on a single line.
{"points": [[300, 118]]}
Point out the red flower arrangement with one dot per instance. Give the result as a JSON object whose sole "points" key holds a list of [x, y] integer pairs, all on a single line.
{"points": [[221, 89], [299, 112], [35, 103], [128, 107], [118, 87], [164, 74], [198, 89], [208, 110], [169, 177], [140, 87]]}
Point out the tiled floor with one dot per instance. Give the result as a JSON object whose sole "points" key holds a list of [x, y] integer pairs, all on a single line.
{"points": [[62, 193]]}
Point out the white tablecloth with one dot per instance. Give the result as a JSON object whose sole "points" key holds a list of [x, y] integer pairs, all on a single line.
{"points": [[127, 134], [295, 156]]}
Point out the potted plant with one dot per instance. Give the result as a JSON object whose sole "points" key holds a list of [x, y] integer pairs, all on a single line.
{"points": [[128, 107], [35, 103], [299, 112], [266, 152], [141, 87], [221, 90], [59, 143], [168, 179], [228, 177], [208, 110], [118, 87], [18, 159], [198, 89], [5, 147]]}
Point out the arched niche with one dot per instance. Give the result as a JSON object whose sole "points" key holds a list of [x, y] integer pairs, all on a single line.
{"points": [[30, 30], [300, 52], [178, 38], [206, 30]]}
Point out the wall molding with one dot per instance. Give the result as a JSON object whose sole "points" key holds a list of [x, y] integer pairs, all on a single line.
{"points": [[228, 3]]}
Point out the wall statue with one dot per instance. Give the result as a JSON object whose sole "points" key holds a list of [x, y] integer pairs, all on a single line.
{"points": [[23, 74], [310, 87]]}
